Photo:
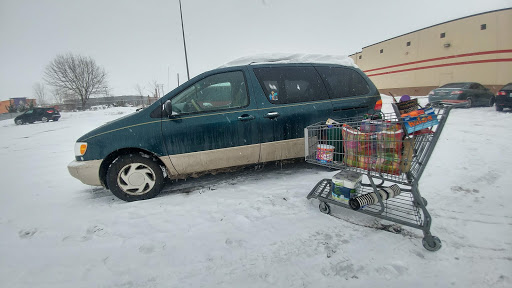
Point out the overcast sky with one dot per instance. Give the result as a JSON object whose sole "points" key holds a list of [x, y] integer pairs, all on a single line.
{"points": [[138, 42]]}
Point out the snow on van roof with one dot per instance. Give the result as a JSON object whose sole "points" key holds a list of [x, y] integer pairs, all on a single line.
{"points": [[273, 58]]}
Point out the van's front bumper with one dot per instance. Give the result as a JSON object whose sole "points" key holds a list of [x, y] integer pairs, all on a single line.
{"points": [[86, 171]]}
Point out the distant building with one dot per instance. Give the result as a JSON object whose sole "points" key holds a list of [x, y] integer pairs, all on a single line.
{"points": [[15, 102], [475, 48], [125, 100]]}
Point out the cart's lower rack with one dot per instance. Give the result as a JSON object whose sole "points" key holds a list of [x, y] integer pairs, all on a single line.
{"points": [[401, 209]]}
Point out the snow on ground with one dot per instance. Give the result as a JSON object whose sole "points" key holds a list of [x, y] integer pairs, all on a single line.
{"points": [[251, 228]]}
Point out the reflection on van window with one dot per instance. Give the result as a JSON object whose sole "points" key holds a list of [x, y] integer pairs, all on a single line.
{"points": [[343, 82], [291, 84], [217, 92]]}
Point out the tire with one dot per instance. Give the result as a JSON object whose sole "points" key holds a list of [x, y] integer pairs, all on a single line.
{"points": [[135, 177], [491, 102], [55, 119], [44, 119], [19, 122], [499, 108], [470, 103], [436, 245], [324, 208]]}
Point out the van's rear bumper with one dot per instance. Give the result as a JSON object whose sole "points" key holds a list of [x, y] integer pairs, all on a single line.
{"points": [[86, 171]]}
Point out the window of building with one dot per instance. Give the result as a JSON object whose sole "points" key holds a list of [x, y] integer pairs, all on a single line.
{"points": [[408, 43], [483, 26], [360, 56], [381, 51], [284, 85], [443, 35]]}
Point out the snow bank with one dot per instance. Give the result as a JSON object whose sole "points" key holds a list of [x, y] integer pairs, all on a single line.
{"points": [[273, 58]]}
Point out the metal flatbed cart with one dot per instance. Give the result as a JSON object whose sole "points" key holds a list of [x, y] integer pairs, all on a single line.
{"points": [[392, 152]]}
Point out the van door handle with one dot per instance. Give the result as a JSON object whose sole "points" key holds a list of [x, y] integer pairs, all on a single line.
{"points": [[246, 117], [272, 115]]}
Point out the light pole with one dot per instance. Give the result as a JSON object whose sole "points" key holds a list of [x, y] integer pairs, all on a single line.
{"points": [[184, 44]]}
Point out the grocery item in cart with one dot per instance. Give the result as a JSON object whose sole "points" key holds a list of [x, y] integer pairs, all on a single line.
{"points": [[379, 151], [324, 153], [368, 125], [419, 119], [386, 193], [345, 184], [406, 104]]}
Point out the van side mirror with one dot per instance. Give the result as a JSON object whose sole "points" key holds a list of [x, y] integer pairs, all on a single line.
{"points": [[168, 107]]}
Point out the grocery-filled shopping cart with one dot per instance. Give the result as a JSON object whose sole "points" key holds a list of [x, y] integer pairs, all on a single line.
{"points": [[392, 150]]}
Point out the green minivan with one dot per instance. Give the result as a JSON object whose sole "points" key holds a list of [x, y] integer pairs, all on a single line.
{"points": [[227, 117]]}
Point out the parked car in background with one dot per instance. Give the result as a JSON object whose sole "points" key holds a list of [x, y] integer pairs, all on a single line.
{"points": [[37, 114], [474, 94], [231, 116], [504, 97]]}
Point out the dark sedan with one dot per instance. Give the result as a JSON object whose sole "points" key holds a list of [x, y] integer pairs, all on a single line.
{"points": [[474, 94], [504, 97], [37, 114]]}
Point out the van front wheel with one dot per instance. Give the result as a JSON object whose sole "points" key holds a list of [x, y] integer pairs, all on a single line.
{"points": [[135, 177]]}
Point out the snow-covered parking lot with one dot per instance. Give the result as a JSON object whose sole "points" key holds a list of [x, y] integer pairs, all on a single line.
{"points": [[251, 228]]}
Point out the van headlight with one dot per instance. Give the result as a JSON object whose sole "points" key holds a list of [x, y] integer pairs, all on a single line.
{"points": [[80, 148]]}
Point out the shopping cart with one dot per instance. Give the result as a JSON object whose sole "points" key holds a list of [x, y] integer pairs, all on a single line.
{"points": [[390, 153]]}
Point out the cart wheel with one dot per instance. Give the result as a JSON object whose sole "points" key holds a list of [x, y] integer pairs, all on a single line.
{"points": [[436, 244], [324, 208]]}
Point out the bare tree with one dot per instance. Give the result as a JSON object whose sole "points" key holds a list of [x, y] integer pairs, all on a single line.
{"points": [[76, 74], [139, 89], [156, 89], [40, 93], [59, 95]]}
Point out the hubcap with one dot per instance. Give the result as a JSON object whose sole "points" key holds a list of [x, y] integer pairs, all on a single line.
{"points": [[45, 119], [136, 179], [19, 122]]}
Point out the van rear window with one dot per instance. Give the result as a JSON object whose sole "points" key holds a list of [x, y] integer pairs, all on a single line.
{"points": [[343, 82], [283, 85]]}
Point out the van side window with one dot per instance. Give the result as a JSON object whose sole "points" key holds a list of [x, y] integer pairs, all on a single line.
{"points": [[283, 85], [343, 82], [217, 92]]}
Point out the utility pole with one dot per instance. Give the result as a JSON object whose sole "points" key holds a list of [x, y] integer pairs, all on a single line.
{"points": [[184, 44]]}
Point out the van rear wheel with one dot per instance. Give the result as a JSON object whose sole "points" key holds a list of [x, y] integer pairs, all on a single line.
{"points": [[135, 177]]}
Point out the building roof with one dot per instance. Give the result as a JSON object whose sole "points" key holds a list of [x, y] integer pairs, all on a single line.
{"points": [[493, 11]]}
